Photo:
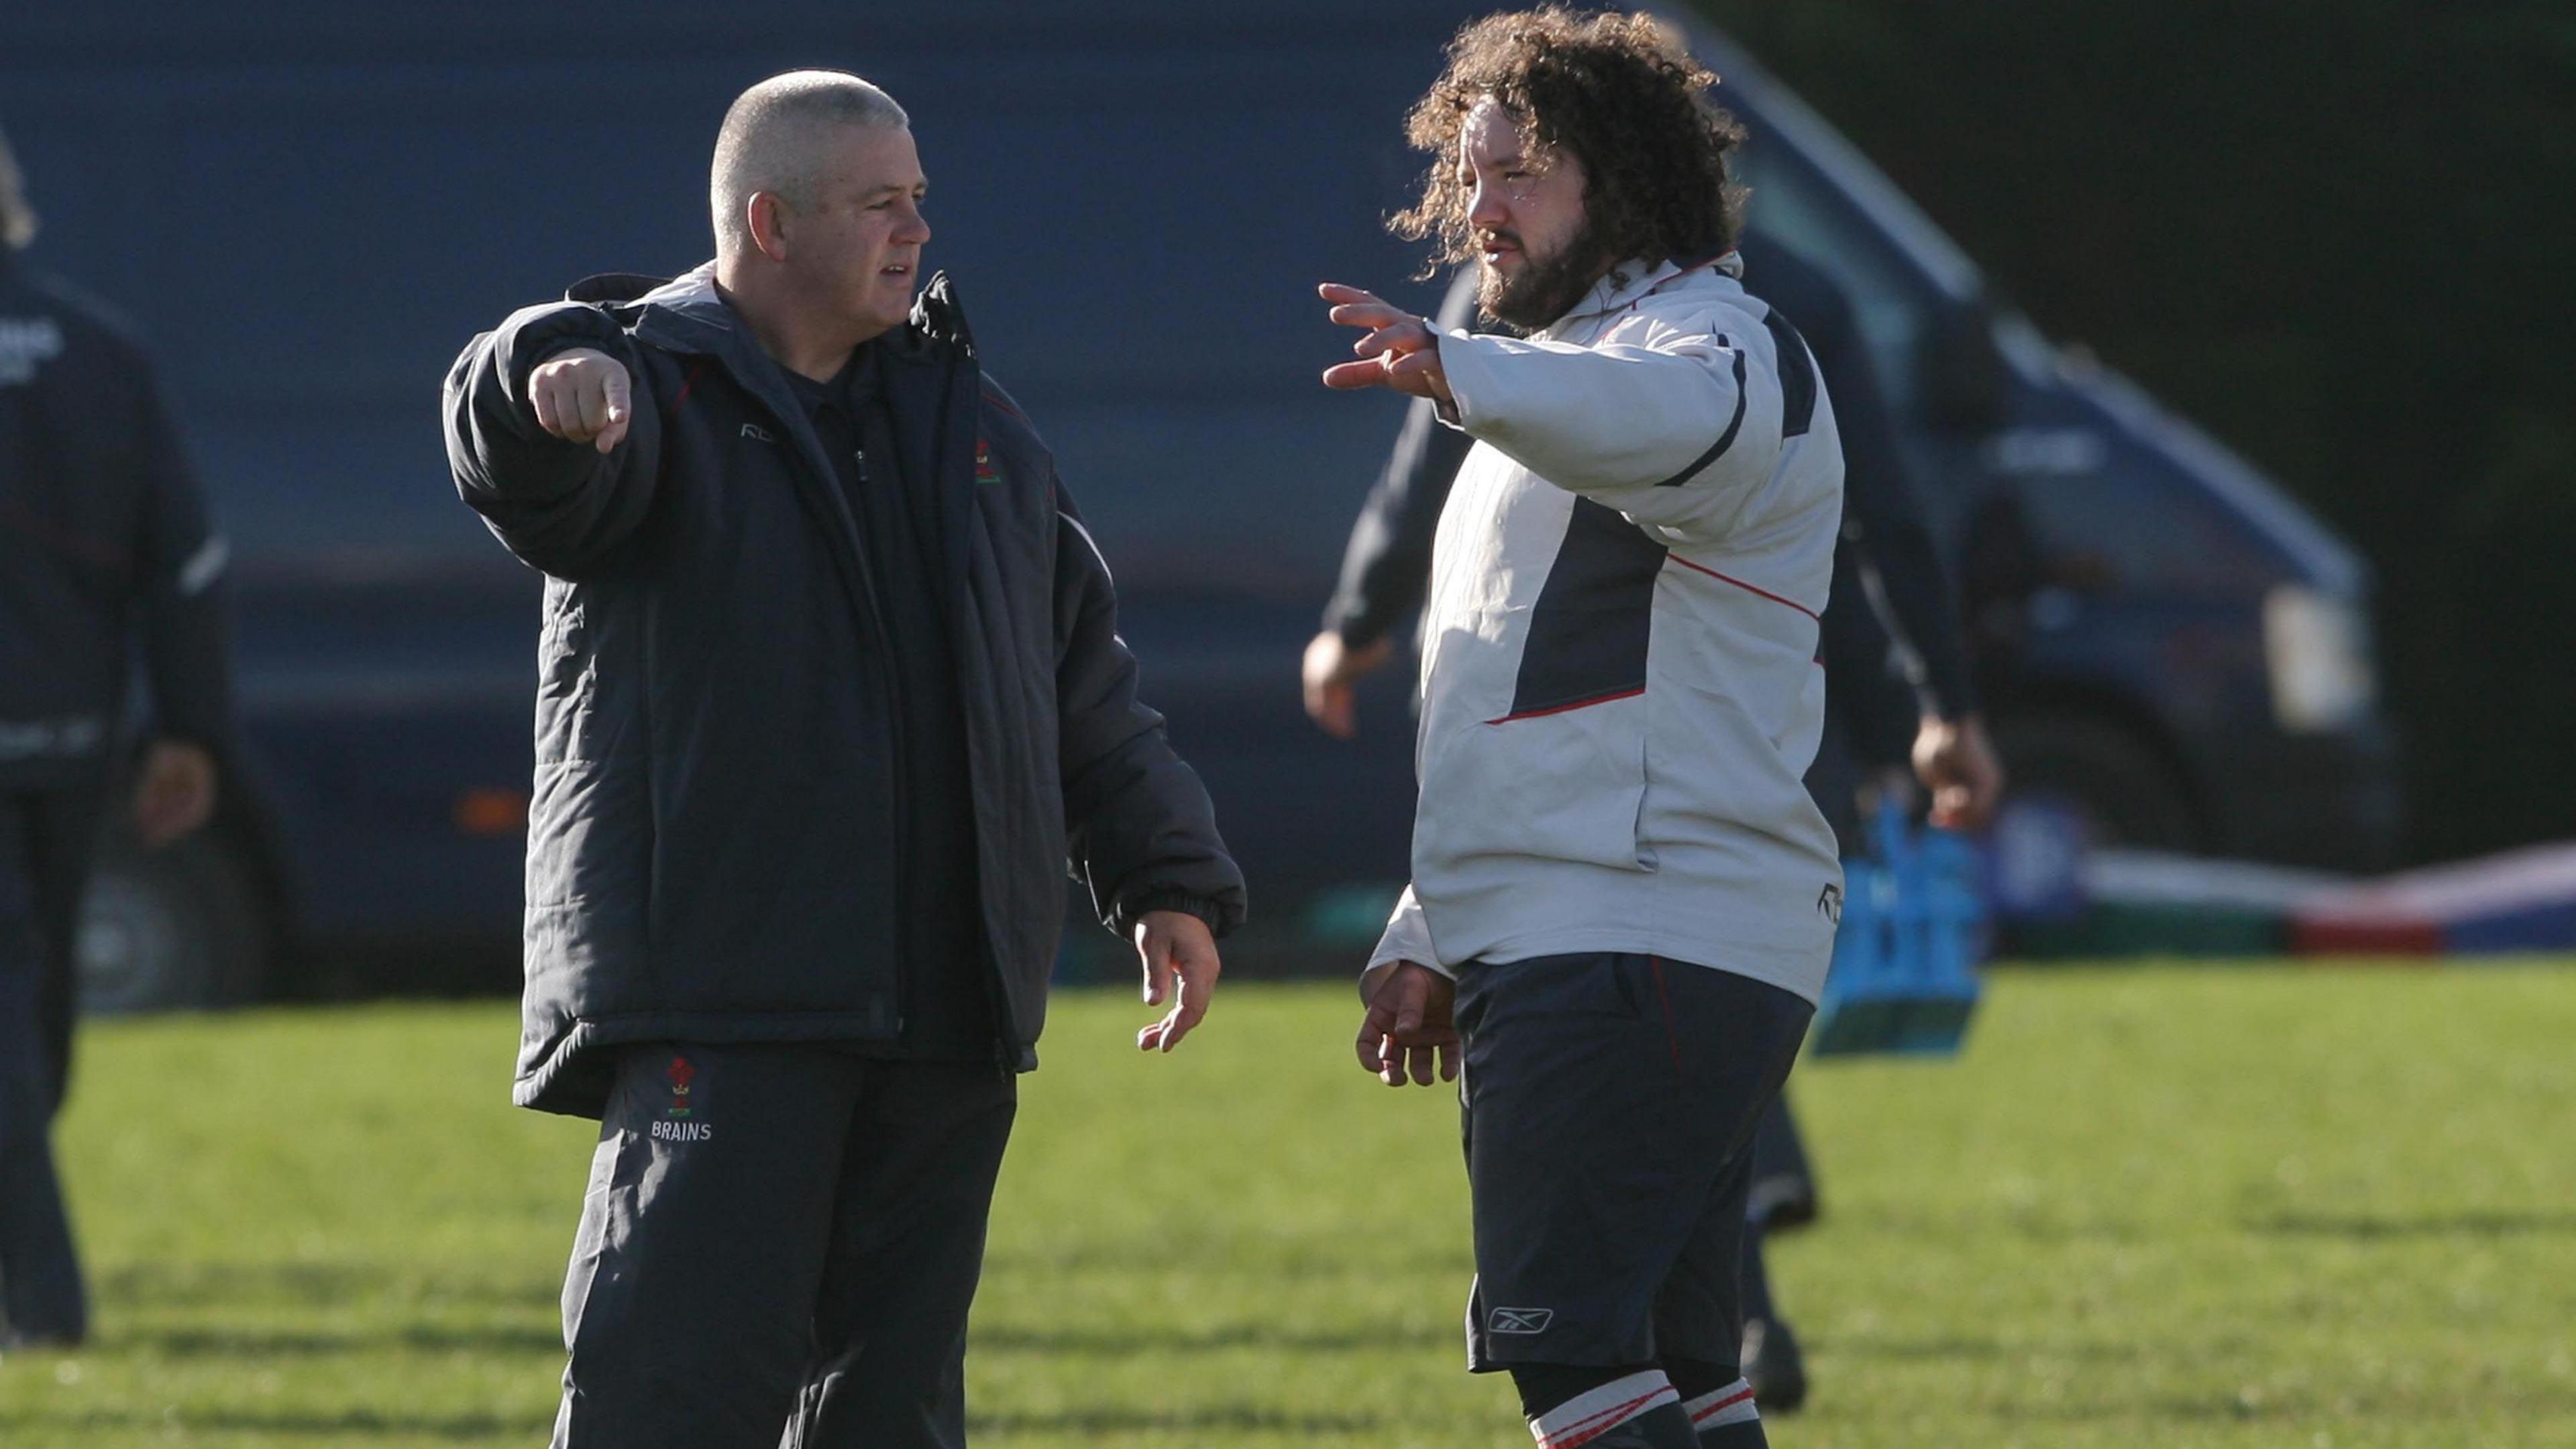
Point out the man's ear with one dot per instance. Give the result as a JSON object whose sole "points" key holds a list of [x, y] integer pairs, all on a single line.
{"points": [[765, 214]]}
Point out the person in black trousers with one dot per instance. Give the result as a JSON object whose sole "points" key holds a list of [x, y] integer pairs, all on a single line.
{"points": [[103, 538], [830, 695]]}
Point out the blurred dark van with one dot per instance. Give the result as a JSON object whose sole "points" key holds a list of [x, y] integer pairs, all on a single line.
{"points": [[309, 207]]}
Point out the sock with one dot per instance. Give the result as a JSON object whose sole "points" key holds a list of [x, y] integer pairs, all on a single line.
{"points": [[1719, 1403], [1569, 1407]]}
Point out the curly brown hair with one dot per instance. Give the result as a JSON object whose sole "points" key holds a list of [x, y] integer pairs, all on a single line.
{"points": [[1617, 90]]}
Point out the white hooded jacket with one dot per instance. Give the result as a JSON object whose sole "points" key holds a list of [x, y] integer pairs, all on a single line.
{"points": [[1620, 688]]}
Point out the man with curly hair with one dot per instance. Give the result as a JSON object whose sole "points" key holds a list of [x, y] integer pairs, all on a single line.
{"points": [[1623, 899]]}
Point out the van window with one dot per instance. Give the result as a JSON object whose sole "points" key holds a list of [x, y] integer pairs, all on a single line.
{"points": [[2123, 529], [1792, 203]]}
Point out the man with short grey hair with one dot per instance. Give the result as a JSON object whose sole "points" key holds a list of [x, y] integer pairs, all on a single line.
{"points": [[830, 694], [777, 139]]}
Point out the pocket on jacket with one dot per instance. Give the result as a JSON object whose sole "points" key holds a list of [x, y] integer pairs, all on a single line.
{"points": [[1567, 786], [561, 630], [589, 835]]}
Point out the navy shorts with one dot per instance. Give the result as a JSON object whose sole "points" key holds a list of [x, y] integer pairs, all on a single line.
{"points": [[1610, 1102]]}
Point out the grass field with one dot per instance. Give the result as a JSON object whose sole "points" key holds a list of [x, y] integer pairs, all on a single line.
{"points": [[2230, 1207]]}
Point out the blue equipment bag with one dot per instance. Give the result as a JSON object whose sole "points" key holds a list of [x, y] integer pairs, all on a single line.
{"points": [[1904, 977]]}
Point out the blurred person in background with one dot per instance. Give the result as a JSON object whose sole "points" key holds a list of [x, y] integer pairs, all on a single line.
{"points": [[1899, 690], [104, 542], [1886, 565], [830, 693]]}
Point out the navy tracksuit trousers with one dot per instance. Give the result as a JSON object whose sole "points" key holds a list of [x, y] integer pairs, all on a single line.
{"points": [[46, 838], [780, 1239]]}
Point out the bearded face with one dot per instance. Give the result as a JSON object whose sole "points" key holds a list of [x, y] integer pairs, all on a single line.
{"points": [[1545, 287], [1536, 250]]}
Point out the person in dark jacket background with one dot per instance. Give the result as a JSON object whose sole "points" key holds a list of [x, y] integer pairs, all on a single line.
{"points": [[1887, 554], [830, 694], [103, 536], [1891, 643]]}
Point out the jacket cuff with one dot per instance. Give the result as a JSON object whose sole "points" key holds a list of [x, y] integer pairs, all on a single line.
{"points": [[1358, 625], [1407, 938], [1466, 364], [1133, 909], [1946, 690], [535, 335], [206, 727]]}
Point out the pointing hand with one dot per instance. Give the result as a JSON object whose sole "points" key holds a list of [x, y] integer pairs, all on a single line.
{"points": [[1400, 351], [583, 396]]}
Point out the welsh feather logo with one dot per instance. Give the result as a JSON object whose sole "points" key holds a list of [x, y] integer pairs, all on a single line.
{"points": [[678, 1122], [985, 472], [1519, 1320], [680, 1073]]}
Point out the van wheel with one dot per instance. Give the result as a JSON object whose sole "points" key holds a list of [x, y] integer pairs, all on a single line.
{"points": [[171, 929], [2125, 792]]}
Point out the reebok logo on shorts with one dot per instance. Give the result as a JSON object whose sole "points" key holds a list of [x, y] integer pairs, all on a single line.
{"points": [[1519, 1320]]}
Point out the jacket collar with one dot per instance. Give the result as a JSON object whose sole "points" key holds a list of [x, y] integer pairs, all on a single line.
{"points": [[1636, 279], [685, 314], [688, 314], [926, 369]]}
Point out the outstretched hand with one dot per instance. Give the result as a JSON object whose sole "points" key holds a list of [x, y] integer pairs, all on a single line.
{"points": [[1408, 1026], [1175, 944], [583, 396], [1331, 670], [1956, 762], [1401, 351], [176, 792]]}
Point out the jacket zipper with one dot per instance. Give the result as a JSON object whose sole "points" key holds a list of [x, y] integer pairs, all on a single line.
{"points": [[872, 608], [899, 766], [997, 992]]}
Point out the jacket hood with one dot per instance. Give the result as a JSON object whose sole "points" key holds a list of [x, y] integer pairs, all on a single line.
{"points": [[694, 316], [1634, 280]]}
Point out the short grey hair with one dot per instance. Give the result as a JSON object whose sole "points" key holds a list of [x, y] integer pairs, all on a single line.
{"points": [[771, 141], [17, 218]]}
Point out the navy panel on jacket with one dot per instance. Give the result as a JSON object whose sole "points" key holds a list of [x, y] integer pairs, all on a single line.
{"points": [[1797, 376], [1726, 438], [1589, 629]]}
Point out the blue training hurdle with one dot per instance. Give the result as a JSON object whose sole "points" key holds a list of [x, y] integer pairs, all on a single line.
{"points": [[1904, 976]]}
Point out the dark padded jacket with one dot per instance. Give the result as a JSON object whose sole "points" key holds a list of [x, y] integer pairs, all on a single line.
{"points": [[711, 846], [102, 533]]}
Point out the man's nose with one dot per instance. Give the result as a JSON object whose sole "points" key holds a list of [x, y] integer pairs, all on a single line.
{"points": [[1486, 207], [916, 228]]}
